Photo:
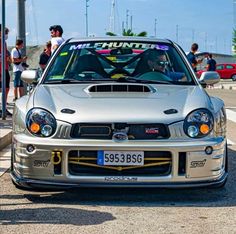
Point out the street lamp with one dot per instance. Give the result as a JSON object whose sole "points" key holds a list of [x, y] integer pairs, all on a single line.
{"points": [[155, 28], [21, 29], [86, 15], [234, 6], [177, 33], [127, 19]]}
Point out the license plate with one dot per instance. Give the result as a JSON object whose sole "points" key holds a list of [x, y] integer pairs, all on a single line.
{"points": [[120, 158]]}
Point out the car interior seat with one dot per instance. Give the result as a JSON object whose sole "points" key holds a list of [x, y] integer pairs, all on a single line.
{"points": [[141, 67], [89, 62]]}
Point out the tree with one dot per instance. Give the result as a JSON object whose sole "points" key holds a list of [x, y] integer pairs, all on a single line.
{"points": [[234, 42], [129, 33], [110, 34], [142, 34]]}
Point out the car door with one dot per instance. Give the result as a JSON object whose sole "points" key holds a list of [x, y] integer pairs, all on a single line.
{"points": [[220, 70], [229, 71]]}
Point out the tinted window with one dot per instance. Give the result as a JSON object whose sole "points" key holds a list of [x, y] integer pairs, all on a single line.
{"points": [[111, 60], [229, 67], [219, 67]]}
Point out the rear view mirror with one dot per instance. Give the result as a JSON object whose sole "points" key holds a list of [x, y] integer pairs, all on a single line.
{"points": [[30, 76], [209, 78], [118, 51]]}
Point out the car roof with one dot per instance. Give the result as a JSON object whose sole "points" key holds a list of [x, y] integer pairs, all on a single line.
{"points": [[115, 38]]}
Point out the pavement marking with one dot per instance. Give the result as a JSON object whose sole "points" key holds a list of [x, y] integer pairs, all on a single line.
{"points": [[231, 115], [229, 142]]}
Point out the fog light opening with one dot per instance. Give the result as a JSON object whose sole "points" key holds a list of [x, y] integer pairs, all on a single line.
{"points": [[30, 148], [208, 150]]}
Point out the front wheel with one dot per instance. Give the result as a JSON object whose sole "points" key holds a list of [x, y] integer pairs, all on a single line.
{"points": [[233, 77]]}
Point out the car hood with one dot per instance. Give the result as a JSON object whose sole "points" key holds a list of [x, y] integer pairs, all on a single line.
{"points": [[165, 104]]}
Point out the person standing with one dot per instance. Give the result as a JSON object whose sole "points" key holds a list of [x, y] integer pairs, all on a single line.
{"points": [[192, 57], [17, 60], [211, 66], [57, 39], [211, 63], [7, 63], [44, 57]]}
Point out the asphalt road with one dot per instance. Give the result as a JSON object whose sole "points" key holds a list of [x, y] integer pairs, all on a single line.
{"points": [[124, 210], [229, 96]]}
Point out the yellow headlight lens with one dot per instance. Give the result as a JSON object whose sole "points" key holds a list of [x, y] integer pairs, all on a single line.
{"points": [[34, 127], [204, 129]]}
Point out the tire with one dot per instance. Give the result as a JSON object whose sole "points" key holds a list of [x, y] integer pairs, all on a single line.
{"points": [[233, 77]]}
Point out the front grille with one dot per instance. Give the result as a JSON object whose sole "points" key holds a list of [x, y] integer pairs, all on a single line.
{"points": [[133, 131], [156, 163], [91, 131]]}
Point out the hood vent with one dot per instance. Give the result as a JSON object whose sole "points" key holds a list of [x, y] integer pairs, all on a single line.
{"points": [[120, 88]]}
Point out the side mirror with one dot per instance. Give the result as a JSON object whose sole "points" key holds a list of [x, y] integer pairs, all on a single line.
{"points": [[209, 78], [30, 76]]}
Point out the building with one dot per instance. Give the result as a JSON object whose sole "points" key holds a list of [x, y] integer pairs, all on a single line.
{"points": [[220, 58]]}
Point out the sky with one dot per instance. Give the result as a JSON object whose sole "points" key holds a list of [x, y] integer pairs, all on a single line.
{"points": [[209, 23]]}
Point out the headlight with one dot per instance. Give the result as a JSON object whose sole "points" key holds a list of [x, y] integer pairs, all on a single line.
{"points": [[40, 122], [198, 123]]}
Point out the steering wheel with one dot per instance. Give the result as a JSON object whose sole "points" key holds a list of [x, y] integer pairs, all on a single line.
{"points": [[155, 76]]}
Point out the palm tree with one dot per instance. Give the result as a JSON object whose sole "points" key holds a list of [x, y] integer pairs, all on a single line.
{"points": [[110, 34], [142, 34], [234, 43], [129, 33]]}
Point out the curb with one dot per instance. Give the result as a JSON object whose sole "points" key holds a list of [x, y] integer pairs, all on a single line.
{"points": [[6, 140], [228, 87], [224, 87]]}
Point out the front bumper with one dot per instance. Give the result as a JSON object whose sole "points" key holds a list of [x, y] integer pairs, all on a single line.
{"points": [[201, 169]]}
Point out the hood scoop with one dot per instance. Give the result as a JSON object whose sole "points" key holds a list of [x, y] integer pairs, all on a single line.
{"points": [[110, 88]]}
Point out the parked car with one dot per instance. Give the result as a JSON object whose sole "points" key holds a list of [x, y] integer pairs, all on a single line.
{"points": [[121, 119], [225, 70]]}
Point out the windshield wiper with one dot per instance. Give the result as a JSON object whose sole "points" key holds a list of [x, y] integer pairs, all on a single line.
{"points": [[76, 81], [68, 81], [133, 80], [64, 81]]}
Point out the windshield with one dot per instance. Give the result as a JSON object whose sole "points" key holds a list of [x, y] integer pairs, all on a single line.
{"points": [[118, 61]]}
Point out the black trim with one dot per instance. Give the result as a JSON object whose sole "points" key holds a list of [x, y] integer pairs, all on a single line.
{"points": [[31, 183]]}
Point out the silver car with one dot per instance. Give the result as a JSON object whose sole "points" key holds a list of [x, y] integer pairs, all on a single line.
{"points": [[119, 112]]}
